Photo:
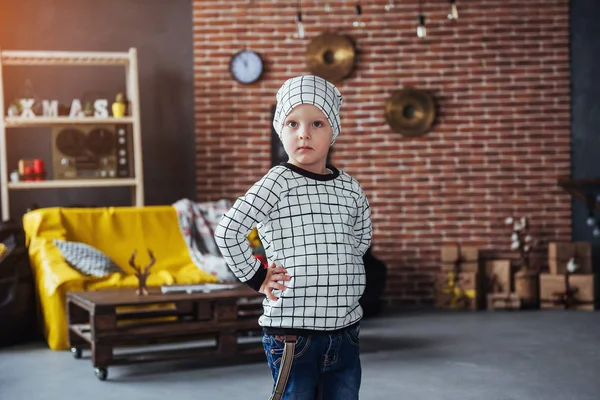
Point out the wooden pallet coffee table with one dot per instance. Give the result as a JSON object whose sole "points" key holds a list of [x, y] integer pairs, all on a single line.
{"points": [[107, 319]]}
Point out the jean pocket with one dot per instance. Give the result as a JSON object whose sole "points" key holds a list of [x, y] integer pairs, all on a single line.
{"points": [[274, 347], [302, 345], [352, 334]]}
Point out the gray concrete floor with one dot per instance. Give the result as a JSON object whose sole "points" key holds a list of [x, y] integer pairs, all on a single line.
{"points": [[525, 355]]}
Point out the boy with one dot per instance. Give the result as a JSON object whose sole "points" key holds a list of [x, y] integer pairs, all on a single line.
{"points": [[314, 223]]}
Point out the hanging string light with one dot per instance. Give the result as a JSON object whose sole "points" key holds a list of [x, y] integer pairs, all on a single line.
{"points": [[421, 29], [358, 23], [390, 6], [591, 219], [300, 27], [327, 6], [453, 10], [248, 22], [596, 222]]}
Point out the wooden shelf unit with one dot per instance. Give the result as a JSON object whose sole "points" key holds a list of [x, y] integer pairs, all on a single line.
{"points": [[128, 60]]}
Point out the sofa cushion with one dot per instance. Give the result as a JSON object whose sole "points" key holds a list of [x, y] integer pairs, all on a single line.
{"points": [[86, 259]]}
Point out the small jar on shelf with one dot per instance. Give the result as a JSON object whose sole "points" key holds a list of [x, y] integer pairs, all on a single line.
{"points": [[32, 170]]}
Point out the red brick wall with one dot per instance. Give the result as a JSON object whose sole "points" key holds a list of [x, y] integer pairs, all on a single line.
{"points": [[501, 78]]}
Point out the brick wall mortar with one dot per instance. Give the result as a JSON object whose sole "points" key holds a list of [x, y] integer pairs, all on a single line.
{"points": [[500, 75]]}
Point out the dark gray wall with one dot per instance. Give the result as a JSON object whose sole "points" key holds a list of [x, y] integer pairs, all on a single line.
{"points": [[161, 30], [585, 108]]}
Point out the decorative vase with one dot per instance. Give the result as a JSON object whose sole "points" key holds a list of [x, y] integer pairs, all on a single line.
{"points": [[118, 110], [527, 288], [119, 107]]}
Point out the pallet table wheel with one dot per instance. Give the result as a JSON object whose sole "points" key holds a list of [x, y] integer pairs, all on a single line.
{"points": [[101, 373], [76, 352]]}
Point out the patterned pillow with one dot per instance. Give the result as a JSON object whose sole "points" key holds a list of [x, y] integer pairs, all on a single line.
{"points": [[86, 259]]}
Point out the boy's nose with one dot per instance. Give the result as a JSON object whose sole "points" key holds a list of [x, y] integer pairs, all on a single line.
{"points": [[303, 133]]}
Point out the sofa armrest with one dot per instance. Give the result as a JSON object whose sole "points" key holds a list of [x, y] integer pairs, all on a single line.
{"points": [[50, 268]]}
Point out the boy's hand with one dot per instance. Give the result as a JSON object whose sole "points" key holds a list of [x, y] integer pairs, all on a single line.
{"points": [[274, 275]]}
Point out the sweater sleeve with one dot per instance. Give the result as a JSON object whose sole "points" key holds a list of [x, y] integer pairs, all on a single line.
{"points": [[362, 227], [234, 227]]}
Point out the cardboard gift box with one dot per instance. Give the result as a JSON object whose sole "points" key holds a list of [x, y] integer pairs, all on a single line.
{"points": [[498, 276], [458, 291], [579, 294], [503, 301], [559, 254], [459, 258]]}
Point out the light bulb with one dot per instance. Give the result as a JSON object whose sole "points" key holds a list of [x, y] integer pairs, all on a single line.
{"points": [[453, 10], [421, 30], [300, 33], [390, 6], [591, 221], [358, 24], [327, 7], [596, 232], [571, 266]]}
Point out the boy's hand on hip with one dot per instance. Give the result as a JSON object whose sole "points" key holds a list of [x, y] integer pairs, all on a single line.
{"points": [[274, 275]]}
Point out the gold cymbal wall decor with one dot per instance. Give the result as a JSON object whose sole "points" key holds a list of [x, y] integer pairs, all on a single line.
{"points": [[500, 125], [331, 56], [410, 112]]}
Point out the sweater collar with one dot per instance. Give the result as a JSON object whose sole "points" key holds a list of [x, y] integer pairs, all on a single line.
{"points": [[319, 177]]}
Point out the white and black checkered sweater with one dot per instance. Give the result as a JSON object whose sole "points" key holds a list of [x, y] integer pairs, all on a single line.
{"points": [[316, 226]]}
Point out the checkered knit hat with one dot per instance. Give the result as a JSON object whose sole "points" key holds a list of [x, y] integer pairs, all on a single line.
{"points": [[308, 89]]}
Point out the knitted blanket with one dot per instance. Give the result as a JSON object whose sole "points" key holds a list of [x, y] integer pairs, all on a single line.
{"points": [[197, 222]]}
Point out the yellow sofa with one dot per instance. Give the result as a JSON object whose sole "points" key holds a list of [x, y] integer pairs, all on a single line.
{"points": [[116, 231]]}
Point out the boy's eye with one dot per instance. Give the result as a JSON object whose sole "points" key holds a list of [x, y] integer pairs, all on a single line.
{"points": [[292, 124], [318, 124]]}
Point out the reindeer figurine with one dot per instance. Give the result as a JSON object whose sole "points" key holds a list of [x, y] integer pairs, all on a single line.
{"points": [[142, 272]]}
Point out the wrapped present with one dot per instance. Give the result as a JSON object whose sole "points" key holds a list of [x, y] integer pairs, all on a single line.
{"points": [[568, 291], [459, 258], [560, 253], [503, 301], [457, 291], [498, 275]]}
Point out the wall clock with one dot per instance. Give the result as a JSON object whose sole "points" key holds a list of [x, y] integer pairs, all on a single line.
{"points": [[246, 66]]}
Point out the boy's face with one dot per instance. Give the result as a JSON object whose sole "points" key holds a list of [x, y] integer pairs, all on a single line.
{"points": [[306, 136]]}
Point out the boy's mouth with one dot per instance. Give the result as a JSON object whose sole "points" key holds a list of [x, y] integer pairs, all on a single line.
{"points": [[304, 148]]}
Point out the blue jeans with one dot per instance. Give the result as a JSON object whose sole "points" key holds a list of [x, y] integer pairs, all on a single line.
{"points": [[325, 367]]}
